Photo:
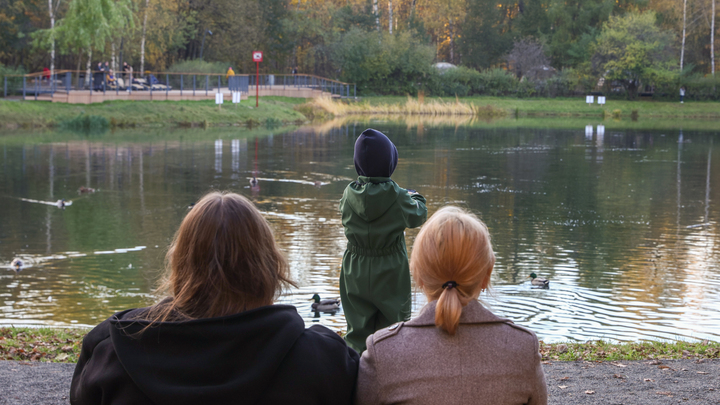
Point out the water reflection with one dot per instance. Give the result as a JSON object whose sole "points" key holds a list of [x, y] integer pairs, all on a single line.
{"points": [[629, 256]]}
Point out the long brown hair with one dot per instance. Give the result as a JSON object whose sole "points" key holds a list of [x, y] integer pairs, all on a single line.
{"points": [[222, 261], [453, 245]]}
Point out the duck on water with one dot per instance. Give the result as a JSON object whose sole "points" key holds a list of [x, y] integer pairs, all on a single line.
{"points": [[538, 281], [326, 305]]}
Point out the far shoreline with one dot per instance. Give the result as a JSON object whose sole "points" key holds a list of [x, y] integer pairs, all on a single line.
{"points": [[281, 111]]}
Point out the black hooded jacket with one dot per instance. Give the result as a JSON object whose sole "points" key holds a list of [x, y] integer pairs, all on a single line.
{"points": [[375, 155], [261, 356]]}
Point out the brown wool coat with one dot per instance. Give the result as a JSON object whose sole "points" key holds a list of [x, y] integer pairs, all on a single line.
{"points": [[490, 360]]}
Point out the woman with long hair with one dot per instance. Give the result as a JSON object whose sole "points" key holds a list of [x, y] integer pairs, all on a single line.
{"points": [[455, 351], [216, 338]]}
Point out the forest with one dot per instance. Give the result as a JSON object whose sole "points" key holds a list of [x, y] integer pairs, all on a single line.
{"points": [[500, 47]]}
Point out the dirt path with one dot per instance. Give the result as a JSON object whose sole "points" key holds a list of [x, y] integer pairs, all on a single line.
{"points": [[634, 382], [609, 383]]}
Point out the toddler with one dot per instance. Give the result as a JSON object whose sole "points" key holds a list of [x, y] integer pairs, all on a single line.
{"points": [[375, 276]]}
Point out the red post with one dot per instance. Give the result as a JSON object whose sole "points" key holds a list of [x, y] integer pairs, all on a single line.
{"points": [[257, 58]]}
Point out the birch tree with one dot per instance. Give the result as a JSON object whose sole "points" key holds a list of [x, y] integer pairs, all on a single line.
{"points": [[142, 41], [390, 16], [88, 26], [712, 40], [682, 47], [52, 9]]}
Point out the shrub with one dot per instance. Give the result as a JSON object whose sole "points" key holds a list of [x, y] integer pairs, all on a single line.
{"points": [[90, 124], [198, 66], [697, 87], [497, 82], [13, 83], [379, 63]]}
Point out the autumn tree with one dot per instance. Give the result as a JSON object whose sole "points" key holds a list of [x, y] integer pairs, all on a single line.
{"points": [[632, 49], [526, 54]]}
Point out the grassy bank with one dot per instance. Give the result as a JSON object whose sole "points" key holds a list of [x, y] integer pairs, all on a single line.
{"points": [[29, 114], [44, 344], [606, 351], [63, 345], [532, 107]]}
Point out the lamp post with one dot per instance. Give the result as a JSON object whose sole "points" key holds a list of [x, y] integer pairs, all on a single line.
{"points": [[202, 46]]}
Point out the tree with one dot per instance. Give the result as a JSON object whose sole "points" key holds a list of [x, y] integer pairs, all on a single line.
{"points": [[88, 25], [52, 9], [712, 40], [526, 54], [383, 63], [682, 48], [487, 34], [632, 49]]}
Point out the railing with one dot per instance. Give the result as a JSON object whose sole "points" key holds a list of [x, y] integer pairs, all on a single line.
{"points": [[44, 84]]}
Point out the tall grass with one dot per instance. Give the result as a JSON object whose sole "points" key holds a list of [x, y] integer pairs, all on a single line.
{"points": [[410, 107]]}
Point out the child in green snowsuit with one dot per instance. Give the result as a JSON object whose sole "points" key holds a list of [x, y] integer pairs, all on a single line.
{"points": [[375, 275]]}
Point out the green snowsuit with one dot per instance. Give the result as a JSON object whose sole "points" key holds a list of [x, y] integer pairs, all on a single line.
{"points": [[375, 275]]}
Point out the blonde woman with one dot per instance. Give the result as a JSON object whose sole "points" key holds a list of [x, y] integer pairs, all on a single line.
{"points": [[455, 351], [217, 338]]}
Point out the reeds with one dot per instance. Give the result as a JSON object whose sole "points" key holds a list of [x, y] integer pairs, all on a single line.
{"points": [[410, 107]]}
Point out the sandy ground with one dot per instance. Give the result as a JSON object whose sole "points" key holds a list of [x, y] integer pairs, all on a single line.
{"points": [[609, 383]]}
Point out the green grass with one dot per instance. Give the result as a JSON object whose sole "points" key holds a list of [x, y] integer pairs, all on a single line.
{"points": [[153, 113], [606, 351], [63, 346], [538, 107], [44, 344]]}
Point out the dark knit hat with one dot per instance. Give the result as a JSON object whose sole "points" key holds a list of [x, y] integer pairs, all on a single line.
{"points": [[375, 155]]}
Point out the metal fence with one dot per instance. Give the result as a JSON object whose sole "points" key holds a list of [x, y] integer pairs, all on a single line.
{"points": [[43, 85]]}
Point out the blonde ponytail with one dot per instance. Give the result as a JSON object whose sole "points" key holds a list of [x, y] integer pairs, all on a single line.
{"points": [[452, 260], [448, 310]]}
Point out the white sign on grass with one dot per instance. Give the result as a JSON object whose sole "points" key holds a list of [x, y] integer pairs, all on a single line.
{"points": [[589, 99], [218, 98], [236, 97], [601, 100]]}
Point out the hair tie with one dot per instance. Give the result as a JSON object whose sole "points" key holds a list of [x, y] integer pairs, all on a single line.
{"points": [[449, 285]]}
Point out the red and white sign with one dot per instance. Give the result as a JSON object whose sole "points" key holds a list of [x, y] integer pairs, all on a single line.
{"points": [[257, 56]]}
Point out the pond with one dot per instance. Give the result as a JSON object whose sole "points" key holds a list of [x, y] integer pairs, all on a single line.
{"points": [[621, 221]]}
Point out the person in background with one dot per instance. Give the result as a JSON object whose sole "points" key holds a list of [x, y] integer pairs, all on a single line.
{"points": [[46, 74], [375, 277], [455, 351], [99, 77], [111, 78], [216, 338], [230, 73], [126, 69], [682, 94]]}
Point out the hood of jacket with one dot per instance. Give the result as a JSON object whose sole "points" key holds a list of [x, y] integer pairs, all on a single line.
{"points": [[206, 360], [375, 155], [371, 197]]}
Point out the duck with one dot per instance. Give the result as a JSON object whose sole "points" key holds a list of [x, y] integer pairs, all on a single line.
{"points": [[539, 282], [253, 182], [327, 305], [17, 264], [86, 190]]}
